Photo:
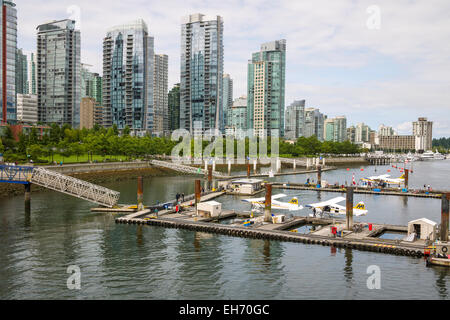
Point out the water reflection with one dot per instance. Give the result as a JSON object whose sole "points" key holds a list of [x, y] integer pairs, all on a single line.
{"points": [[348, 269], [27, 220], [441, 284]]}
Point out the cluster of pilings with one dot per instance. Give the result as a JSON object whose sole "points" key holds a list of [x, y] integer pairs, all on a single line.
{"points": [[378, 161]]}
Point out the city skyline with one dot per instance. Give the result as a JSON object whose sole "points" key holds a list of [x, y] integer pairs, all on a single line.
{"points": [[334, 61]]}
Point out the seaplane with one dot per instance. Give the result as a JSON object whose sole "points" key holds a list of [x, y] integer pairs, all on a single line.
{"points": [[332, 208], [292, 205], [385, 178]]}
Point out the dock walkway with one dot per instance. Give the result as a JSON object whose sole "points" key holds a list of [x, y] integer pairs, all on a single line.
{"points": [[388, 192]]}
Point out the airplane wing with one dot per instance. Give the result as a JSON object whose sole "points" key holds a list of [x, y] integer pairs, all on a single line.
{"points": [[383, 176], [253, 200], [330, 202]]}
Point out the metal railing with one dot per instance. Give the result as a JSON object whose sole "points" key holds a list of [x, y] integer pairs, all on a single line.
{"points": [[74, 187]]}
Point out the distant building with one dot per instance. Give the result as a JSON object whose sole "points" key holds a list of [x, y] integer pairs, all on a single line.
{"points": [[227, 100], [128, 64], [314, 122], [8, 62], [351, 134], [266, 78], [59, 73], [32, 73], [90, 113], [385, 131], [160, 97], [94, 88], [295, 120], [27, 110], [238, 118], [87, 113], [174, 108], [335, 129], [86, 80], [423, 131], [21, 72], [201, 72], [397, 143], [362, 133]]}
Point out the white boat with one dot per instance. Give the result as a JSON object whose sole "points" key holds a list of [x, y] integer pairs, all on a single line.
{"points": [[438, 156], [429, 155], [410, 157]]}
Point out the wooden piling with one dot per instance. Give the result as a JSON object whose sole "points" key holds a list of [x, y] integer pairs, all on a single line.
{"points": [[319, 175], [28, 192], [445, 217], [406, 178], [210, 178], [198, 194], [268, 203], [349, 208], [140, 194]]}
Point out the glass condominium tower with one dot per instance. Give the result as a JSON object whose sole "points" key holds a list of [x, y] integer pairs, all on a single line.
{"points": [[8, 36], [128, 67], [266, 85], [201, 72], [59, 73]]}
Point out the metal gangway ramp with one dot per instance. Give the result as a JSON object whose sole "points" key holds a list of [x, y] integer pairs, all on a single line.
{"points": [[74, 187], [184, 168]]}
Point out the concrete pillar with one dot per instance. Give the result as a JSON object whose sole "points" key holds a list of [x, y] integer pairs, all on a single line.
{"points": [[323, 162], [214, 165], [278, 165], [295, 164], [27, 192], [140, 194], [406, 178], [229, 167], [444, 217], [255, 164], [268, 204], [349, 208], [198, 194], [206, 165]]}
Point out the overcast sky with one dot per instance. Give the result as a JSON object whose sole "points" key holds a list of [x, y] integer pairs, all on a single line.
{"points": [[373, 61]]}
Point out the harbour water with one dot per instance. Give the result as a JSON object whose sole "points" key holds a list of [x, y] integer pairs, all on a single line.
{"points": [[144, 262]]}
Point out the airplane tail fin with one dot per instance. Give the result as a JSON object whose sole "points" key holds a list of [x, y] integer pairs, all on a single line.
{"points": [[294, 201], [360, 206]]}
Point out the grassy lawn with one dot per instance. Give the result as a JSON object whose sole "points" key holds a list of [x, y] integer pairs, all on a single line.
{"points": [[84, 158]]}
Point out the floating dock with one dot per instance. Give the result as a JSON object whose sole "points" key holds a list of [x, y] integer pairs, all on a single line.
{"points": [[334, 232], [386, 192], [278, 232]]}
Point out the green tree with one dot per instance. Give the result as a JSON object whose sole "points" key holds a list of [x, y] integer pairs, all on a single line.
{"points": [[35, 151], [2, 147]]}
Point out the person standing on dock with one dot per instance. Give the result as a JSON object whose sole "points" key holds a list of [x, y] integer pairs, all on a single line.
{"points": [[178, 197], [182, 197]]}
